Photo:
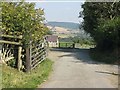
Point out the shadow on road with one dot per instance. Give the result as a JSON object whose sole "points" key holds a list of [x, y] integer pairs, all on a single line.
{"points": [[107, 72], [79, 54]]}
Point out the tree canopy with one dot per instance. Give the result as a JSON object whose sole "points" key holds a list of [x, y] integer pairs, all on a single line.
{"points": [[102, 21], [21, 18]]}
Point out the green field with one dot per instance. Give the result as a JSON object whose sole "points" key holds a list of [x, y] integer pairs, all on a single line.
{"points": [[77, 45], [66, 44], [64, 35]]}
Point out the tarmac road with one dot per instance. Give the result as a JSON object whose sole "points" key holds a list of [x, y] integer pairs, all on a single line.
{"points": [[73, 68]]}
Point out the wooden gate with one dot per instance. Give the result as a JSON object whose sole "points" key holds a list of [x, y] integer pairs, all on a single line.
{"points": [[35, 54], [28, 57]]}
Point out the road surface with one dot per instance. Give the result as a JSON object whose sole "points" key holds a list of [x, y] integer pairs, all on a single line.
{"points": [[73, 68]]}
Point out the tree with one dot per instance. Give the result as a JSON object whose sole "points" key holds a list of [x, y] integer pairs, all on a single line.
{"points": [[21, 18], [102, 21]]}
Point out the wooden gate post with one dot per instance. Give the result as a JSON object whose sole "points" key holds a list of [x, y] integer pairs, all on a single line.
{"points": [[59, 45], [0, 52], [28, 57], [1, 49], [19, 58], [28, 62], [73, 45]]}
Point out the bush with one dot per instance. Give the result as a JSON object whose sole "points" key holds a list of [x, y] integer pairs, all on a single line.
{"points": [[22, 19], [12, 63], [106, 57], [108, 34]]}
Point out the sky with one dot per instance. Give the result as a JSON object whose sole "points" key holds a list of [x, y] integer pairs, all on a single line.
{"points": [[61, 11]]}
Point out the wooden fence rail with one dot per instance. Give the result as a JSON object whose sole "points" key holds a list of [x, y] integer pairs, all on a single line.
{"points": [[11, 37], [8, 40]]}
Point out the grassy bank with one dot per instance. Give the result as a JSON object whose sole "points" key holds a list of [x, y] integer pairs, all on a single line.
{"points": [[11, 78], [106, 57]]}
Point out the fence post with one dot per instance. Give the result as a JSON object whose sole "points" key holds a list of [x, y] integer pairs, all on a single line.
{"points": [[1, 49], [59, 45], [28, 61], [73, 45], [19, 58], [0, 52]]}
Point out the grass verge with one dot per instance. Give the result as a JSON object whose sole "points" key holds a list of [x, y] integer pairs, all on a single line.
{"points": [[11, 78], [106, 57]]}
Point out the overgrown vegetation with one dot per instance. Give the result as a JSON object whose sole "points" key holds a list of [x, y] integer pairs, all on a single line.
{"points": [[11, 78], [78, 41], [22, 19], [106, 56], [82, 40], [102, 21]]}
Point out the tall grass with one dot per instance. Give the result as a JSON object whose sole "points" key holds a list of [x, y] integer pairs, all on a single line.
{"points": [[11, 78]]}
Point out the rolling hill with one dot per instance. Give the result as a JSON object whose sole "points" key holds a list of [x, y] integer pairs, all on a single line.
{"points": [[67, 25]]}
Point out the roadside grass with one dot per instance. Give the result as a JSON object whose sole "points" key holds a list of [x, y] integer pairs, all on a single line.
{"points": [[106, 57], [11, 78]]}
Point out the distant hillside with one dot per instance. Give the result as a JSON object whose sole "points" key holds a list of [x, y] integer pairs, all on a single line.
{"points": [[68, 25]]}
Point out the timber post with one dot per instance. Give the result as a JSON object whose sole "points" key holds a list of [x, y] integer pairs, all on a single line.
{"points": [[28, 67], [19, 64], [0, 49], [0, 52], [59, 45], [28, 57], [19, 58]]}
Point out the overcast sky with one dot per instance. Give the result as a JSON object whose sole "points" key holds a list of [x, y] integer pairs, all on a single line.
{"points": [[61, 11]]}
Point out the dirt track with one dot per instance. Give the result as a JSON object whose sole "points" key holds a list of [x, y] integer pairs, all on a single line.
{"points": [[73, 68]]}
